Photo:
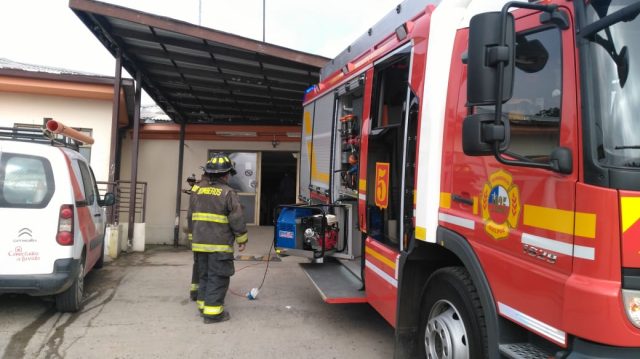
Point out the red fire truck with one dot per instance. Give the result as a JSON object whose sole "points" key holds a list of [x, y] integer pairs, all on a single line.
{"points": [[471, 169]]}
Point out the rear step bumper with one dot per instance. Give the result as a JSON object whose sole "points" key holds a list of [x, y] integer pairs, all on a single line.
{"points": [[335, 282], [64, 272]]}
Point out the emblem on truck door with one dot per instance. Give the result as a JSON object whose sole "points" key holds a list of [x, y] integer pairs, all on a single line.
{"points": [[500, 205]]}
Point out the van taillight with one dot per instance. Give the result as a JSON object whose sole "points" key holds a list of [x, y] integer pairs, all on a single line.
{"points": [[65, 225]]}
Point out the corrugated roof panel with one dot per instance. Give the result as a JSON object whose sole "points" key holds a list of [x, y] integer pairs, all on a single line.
{"points": [[204, 74]]}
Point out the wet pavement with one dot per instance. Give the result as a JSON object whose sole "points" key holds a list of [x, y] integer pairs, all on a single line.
{"points": [[138, 307]]}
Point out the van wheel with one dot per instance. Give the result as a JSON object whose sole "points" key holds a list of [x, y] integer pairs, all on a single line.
{"points": [[452, 324], [71, 299], [100, 263]]}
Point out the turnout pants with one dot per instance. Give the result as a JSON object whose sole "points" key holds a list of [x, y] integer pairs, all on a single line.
{"points": [[215, 270]]}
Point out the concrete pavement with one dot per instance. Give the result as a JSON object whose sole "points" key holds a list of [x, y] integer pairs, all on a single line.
{"points": [[137, 307]]}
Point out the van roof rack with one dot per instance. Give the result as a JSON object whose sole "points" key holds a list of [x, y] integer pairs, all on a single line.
{"points": [[37, 135]]}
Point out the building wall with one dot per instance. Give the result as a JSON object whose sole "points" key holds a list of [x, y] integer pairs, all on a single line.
{"points": [[73, 112], [157, 165]]}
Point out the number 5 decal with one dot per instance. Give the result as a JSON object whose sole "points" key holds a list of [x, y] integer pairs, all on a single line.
{"points": [[382, 184]]}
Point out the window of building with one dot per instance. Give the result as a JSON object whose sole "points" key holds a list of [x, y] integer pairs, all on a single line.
{"points": [[245, 181]]}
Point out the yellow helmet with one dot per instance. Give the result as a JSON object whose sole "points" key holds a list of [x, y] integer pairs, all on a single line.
{"points": [[219, 163]]}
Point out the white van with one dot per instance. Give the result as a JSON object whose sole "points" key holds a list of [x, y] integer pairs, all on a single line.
{"points": [[51, 222]]}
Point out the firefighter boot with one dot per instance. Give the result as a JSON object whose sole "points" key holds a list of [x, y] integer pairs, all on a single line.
{"points": [[222, 317]]}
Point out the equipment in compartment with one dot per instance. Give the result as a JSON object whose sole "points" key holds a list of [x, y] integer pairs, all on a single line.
{"points": [[288, 233], [304, 229], [350, 139], [313, 233]]}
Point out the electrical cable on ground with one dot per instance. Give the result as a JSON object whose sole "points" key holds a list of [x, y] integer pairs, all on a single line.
{"points": [[263, 277]]}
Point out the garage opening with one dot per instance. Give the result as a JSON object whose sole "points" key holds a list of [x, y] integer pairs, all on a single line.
{"points": [[278, 183]]}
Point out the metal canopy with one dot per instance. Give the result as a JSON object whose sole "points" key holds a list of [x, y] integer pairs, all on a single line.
{"points": [[200, 75]]}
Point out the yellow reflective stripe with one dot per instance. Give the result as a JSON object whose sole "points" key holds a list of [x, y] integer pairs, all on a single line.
{"points": [[200, 304], [190, 236], [211, 248], [195, 188], [445, 200], [194, 287], [242, 238], [212, 310], [421, 233], [362, 185], [630, 210], [209, 217], [380, 257], [585, 225], [558, 220]]}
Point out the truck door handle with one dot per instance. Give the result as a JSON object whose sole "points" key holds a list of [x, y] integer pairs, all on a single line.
{"points": [[97, 215], [463, 200]]}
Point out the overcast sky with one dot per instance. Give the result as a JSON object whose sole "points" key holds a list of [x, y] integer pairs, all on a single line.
{"points": [[47, 32]]}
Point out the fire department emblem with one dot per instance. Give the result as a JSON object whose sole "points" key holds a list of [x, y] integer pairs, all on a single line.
{"points": [[500, 205]]}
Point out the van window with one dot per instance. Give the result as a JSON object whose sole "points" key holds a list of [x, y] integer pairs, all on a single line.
{"points": [[25, 181], [88, 183]]}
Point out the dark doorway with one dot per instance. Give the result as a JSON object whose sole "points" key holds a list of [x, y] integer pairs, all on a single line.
{"points": [[278, 183]]}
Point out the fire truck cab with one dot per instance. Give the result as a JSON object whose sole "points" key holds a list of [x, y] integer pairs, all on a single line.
{"points": [[471, 169]]}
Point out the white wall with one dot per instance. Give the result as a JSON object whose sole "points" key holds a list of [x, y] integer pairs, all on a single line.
{"points": [[158, 165], [73, 112]]}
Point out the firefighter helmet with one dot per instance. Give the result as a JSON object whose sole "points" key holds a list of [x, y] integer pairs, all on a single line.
{"points": [[220, 164]]}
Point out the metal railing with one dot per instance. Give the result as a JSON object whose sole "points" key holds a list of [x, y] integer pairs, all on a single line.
{"points": [[120, 210]]}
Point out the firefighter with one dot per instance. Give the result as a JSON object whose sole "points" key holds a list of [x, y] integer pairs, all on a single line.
{"points": [[216, 219], [191, 181]]}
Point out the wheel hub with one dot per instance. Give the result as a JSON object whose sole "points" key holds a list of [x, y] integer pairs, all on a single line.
{"points": [[445, 336]]}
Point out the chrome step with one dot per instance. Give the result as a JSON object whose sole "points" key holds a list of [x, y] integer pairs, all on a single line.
{"points": [[524, 351]]}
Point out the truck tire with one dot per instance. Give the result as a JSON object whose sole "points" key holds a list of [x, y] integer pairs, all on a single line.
{"points": [[71, 299], [452, 324]]}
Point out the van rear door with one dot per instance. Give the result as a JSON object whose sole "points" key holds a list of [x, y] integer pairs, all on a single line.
{"points": [[27, 192]]}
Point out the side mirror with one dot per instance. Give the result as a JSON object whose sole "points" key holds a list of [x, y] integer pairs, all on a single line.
{"points": [[486, 52], [561, 160], [108, 200], [479, 133]]}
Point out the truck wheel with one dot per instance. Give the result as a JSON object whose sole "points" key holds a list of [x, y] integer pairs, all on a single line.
{"points": [[71, 299], [452, 324]]}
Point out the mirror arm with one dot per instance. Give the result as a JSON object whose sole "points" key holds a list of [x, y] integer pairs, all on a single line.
{"points": [[523, 5], [520, 162]]}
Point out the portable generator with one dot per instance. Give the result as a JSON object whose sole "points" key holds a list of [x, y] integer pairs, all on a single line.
{"points": [[304, 229]]}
